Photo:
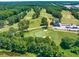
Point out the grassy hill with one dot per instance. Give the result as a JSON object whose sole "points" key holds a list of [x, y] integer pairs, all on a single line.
{"points": [[67, 18]]}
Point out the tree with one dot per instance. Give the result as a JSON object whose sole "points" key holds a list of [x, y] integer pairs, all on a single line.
{"points": [[74, 12], [77, 42], [37, 10], [5, 13], [5, 43], [55, 10], [45, 50], [19, 46], [23, 25], [1, 24], [35, 15], [40, 47], [57, 14], [43, 47], [11, 32], [32, 47], [44, 22], [13, 19], [67, 42], [21, 15], [59, 54]]}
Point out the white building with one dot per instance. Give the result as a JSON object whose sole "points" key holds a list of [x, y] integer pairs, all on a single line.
{"points": [[67, 27]]}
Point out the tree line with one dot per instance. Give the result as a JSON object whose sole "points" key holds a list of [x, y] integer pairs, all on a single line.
{"points": [[14, 42], [75, 13], [70, 43]]}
